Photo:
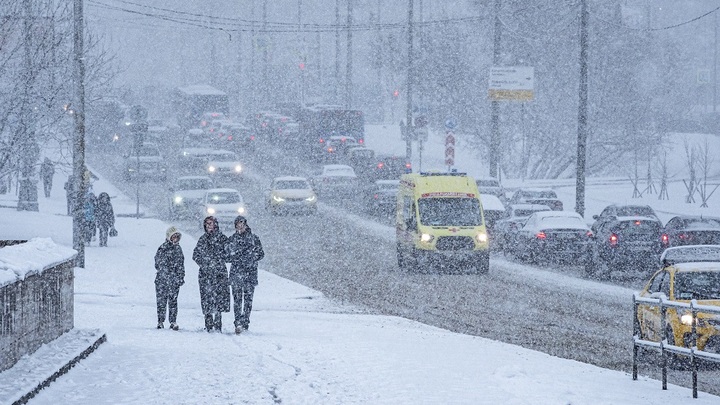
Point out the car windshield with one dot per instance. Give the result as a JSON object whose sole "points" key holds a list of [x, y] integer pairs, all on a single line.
{"points": [[527, 212], [225, 157], [224, 198], [450, 211], [292, 185], [703, 285], [193, 184], [637, 227], [635, 210], [562, 222], [538, 194], [147, 150], [339, 171]]}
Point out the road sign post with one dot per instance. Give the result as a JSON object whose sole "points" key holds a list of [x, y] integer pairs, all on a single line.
{"points": [[449, 149]]}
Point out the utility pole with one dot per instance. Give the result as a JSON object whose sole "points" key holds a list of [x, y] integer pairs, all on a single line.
{"points": [[29, 150], [582, 113], [337, 51], [253, 44], [495, 104], [348, 71], [80, 186], [408, 116], [266, 43]]}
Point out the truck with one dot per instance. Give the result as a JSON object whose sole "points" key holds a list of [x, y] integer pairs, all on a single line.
{"points": [[439, 222], [191, 102]]}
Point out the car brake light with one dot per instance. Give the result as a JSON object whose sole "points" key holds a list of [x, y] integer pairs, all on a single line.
{"points": [[252, 137], [375, 196], [408, 166], [665, 239], [229, 138], [589, 234], [361, 141], [540, 235], [380, 165], [322, 140], [613, 239], [637, 222]]}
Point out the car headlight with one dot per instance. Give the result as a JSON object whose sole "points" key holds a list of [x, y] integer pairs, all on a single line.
{"points": [[278, 198], [241, 210], [210, 210], [238, 169], [686, 319], [310, 199], [482, 237], [426, 237], [211, 169], [178, 199], [116, 138]]}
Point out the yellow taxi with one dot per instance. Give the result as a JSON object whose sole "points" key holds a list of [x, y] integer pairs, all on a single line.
{"points": [[290, 194], [688, 273]]}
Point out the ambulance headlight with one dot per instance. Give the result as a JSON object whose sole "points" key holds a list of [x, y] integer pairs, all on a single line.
{"points": [[426, 237], [482, 237]]}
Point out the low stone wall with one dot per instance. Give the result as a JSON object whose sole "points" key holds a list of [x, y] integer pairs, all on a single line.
{"points": [[35, 310]]}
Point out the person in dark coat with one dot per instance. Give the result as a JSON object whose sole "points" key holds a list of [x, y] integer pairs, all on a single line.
{"points": [[104, 217], [89, 207], [47, 171], [70, 194], [243, 250], [170, 275], [209, 254]]}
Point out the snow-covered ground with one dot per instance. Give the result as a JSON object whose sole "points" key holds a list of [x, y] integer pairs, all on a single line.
{"points": [[301, 347]]}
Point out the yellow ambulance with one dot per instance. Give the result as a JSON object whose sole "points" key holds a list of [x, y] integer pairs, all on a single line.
{"points": [[440, 223]]}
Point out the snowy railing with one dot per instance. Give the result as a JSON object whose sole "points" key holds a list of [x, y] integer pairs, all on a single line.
{"points": [[36, 307], [666, 349]]}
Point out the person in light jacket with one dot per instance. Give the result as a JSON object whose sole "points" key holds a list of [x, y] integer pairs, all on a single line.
{"points": [[243, 250], [209, 254], [169, 276]]}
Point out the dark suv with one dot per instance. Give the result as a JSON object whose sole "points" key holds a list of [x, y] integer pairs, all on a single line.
{"points": [[613, 211], [390, 167], [627, 243]]}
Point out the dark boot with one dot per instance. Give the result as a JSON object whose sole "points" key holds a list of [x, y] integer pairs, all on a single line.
{"points": [[208, 322]]}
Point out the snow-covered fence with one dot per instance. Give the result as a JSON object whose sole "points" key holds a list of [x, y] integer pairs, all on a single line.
{"points": [[691, 351], [36, 297]]}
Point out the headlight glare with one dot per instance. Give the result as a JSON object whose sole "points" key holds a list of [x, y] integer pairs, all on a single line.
{"points": [[482, 237], [178, 199], [238, 168], [278, 198], [686, 319], [310, 199], [210, 210], [241, 210], [211, 169], [427, 238]]}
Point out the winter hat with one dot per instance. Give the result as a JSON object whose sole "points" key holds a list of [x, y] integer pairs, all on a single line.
{"points": [[240, 218], [171, 231]]}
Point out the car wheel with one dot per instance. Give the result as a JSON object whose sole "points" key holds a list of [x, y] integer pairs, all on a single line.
{"points": [[400, 257]]}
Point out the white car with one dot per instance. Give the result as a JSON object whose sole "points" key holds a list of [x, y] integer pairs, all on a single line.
{"points": [[223, 163], [187, 193], [290, 194], [224, 204], [336, 180]]}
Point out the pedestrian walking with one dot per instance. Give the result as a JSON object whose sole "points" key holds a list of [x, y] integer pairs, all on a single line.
{"points": [[89, 207], [243, 250], [209, 254], [47, 171], [169, 276], [104, 217], [70, 194]]}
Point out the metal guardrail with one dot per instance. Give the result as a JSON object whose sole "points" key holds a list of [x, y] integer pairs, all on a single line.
{"points": [[665, 349]]}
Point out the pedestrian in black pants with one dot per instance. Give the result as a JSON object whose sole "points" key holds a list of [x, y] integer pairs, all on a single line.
{"points": [[243, 250], [170, 275], [104, 217], [209, 254], [47, 171]]}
